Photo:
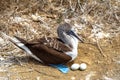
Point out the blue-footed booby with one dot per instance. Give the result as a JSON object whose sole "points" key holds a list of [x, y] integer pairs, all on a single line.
{"points": [[50, 50]]}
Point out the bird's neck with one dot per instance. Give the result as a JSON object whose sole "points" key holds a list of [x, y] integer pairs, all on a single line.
{"points": [[74, 51], [74, 43], [71, 41]]}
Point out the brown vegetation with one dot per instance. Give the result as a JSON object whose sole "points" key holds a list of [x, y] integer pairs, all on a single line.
{"points": [[98, 21]]}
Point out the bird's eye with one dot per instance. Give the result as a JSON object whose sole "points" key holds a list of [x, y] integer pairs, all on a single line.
{"points": [[69, 32]]}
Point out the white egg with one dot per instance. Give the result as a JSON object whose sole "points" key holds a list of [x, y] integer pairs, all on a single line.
{"points": [[83, 66], [75, 66]]}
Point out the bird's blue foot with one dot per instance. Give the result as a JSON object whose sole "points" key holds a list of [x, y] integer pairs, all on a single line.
{"points": [[61, 67]]}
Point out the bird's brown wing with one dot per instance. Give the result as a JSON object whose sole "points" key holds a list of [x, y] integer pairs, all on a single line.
{"points": [[50, 51], [53, 43], [49, 55]]}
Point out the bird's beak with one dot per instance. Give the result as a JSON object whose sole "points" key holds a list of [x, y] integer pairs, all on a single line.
{"points": [[74, 34]]}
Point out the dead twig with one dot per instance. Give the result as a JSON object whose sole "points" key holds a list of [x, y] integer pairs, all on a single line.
{"points": [[61, 2], [100, 49], [78, 5], [117, 18], [20, 63]]}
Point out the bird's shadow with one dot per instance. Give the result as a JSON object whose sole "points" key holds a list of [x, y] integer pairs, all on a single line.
{"points": [[21, 61], [27, 59]]}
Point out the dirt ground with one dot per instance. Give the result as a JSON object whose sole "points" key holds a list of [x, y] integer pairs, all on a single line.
{"points": [[99, 67], [30, 19]]}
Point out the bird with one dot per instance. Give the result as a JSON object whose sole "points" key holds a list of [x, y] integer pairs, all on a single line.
{"points": [[52, 50]]}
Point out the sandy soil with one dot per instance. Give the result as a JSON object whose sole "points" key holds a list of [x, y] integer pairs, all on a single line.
{"points": [[99, 67], [102, 57]]}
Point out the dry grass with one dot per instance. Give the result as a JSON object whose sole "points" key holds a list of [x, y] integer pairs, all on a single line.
{"points": [[30, 19]]}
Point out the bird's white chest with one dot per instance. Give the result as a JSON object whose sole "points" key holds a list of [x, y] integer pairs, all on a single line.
{"points": [[72, 54]]}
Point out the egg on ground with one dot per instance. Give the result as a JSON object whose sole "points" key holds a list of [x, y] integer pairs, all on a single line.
{"points": [[83, 66], [75, 66]]}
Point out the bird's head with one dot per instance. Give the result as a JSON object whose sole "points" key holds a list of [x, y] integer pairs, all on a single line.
{"points": [[67, 34]]}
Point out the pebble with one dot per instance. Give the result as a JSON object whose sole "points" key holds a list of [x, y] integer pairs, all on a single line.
{"points": [[35, 17]]}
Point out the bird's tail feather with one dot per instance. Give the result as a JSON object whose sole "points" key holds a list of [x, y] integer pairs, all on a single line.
{"points": [[17, 41], [21, 43]]}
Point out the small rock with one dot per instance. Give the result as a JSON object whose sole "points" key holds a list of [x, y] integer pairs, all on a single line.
{"points": [[35, 17], [72, 78], [1, 59], [38, 78]]}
